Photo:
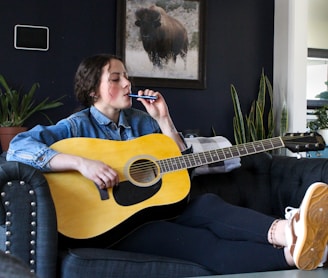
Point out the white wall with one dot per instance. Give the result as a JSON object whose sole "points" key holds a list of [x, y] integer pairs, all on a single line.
{"points": [[290, 54], [318, 24]]}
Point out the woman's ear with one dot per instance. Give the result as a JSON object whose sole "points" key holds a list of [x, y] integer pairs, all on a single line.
{"points": [[93, 96]]}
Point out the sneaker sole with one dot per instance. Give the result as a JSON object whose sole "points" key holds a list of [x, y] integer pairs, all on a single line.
{"points": [[313, 220]]}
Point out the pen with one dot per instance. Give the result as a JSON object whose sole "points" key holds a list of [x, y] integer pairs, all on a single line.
{"points": [[145, 97]]}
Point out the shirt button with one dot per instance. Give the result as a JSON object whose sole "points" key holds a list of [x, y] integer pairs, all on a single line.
{"points": [[40, 159]]}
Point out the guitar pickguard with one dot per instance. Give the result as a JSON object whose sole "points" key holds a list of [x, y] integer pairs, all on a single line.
{"points": [[127, 194]]}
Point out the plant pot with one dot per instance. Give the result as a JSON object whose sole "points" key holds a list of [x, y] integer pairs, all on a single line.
{"points": [[8, 133], [324, 134]]}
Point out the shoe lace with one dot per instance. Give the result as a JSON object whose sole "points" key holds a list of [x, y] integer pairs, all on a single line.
{"points": [[324, 257], [290, 212]]}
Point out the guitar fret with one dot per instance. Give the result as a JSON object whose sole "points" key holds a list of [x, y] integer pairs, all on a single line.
{"points": [[204, 158], [183, 163], [271, 143], [212, 156], [235, 152], [162, 166], [220, 154], [242, 149], [173, 165], [168, 165], [227, 153], [197, 159], [258, 146], [178, 163], [192, 160], [278, 143], [251, 148], [187, 160]]}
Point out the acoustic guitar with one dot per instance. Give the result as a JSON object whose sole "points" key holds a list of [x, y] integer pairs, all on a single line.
{"points": [[154, 181]]}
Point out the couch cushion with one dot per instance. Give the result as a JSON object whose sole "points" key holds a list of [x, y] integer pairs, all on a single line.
{"points": [[13, 267], [247, 186], [291, 177], [91, 262]]}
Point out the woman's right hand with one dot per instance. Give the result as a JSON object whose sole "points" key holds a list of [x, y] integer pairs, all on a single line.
{"points": [[97, 171]]}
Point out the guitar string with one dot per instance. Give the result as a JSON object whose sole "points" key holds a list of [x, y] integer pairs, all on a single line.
{"points": [[268, 144], [207, 157], [211, 156], [196, 159]]}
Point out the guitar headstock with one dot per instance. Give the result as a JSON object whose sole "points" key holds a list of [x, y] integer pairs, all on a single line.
{"points": [[304, 142]]}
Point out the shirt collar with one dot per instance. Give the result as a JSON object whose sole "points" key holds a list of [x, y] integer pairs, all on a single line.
{"points": [[103, 120]]}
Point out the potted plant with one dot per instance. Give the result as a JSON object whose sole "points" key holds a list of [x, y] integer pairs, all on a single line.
{"points": [[16, 107], [259, 124], [320, 124], [324, 94]]}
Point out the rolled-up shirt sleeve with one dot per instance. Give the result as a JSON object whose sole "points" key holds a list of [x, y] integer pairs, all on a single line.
{"points": [[33, 146]]}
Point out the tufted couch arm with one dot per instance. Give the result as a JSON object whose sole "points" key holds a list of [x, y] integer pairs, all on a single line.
{"points": [[27, 217]]}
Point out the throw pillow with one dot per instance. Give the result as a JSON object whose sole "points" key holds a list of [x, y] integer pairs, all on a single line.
{"points": [[202, 144]]}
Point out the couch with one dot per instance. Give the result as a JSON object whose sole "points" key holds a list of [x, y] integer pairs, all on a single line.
{"points": [[264, 182]]}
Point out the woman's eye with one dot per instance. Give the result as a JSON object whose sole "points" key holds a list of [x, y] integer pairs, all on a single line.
{"points": [[114, 79]]}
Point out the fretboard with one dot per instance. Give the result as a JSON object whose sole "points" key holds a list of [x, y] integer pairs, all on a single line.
{"points": [[212, 156]]}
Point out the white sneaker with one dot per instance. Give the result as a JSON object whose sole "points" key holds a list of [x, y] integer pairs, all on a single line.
{"points": [[324, 257], [307, 232]]}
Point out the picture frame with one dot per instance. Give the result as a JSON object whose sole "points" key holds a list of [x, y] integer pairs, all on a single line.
{"points": [[167, 62]]}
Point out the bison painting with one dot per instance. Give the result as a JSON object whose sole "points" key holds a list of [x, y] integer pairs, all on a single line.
{"points": [[163, 37]]}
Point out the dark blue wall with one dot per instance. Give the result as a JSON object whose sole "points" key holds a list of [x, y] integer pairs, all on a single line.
{"points": [[239, 43]]}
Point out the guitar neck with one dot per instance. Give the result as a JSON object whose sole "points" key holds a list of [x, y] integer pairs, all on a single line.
{"points": [[212, 156]]}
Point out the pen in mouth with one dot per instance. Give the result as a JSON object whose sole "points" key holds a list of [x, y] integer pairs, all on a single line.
{"points": [[143, 96]]}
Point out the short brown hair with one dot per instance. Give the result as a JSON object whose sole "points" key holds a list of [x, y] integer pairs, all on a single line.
{"points": [[87, 77]]}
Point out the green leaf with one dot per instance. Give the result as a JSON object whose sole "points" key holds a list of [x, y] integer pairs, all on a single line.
{"points": [[284, 120], [17, 106], [239, 127], [262, 92]]}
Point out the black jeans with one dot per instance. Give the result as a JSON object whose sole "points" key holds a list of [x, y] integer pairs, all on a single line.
{"points": [[213, 233]]}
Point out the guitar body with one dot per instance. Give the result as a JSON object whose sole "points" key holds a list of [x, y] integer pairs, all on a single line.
{"points": [[84, 211]]}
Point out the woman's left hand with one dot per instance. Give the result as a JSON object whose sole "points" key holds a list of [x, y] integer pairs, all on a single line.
{"points": [[156, 108], [159, 111]]}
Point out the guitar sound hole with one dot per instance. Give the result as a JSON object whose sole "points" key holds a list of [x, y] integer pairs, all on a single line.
{"points": [[143, 171]]}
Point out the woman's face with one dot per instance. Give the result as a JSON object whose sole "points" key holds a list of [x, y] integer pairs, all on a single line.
{"points": [[114, 89]]}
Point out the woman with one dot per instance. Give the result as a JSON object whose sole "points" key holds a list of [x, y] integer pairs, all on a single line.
{"points": [[222, 237]]}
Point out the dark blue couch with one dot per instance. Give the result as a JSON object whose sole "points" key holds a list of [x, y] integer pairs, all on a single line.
{"points": [[28, 223]]}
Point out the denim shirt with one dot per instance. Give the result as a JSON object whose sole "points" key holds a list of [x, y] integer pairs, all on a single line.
{"points": [[32, 147]]}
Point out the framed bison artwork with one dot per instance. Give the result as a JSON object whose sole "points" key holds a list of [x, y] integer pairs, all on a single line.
{"points": [[162, 42]]}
